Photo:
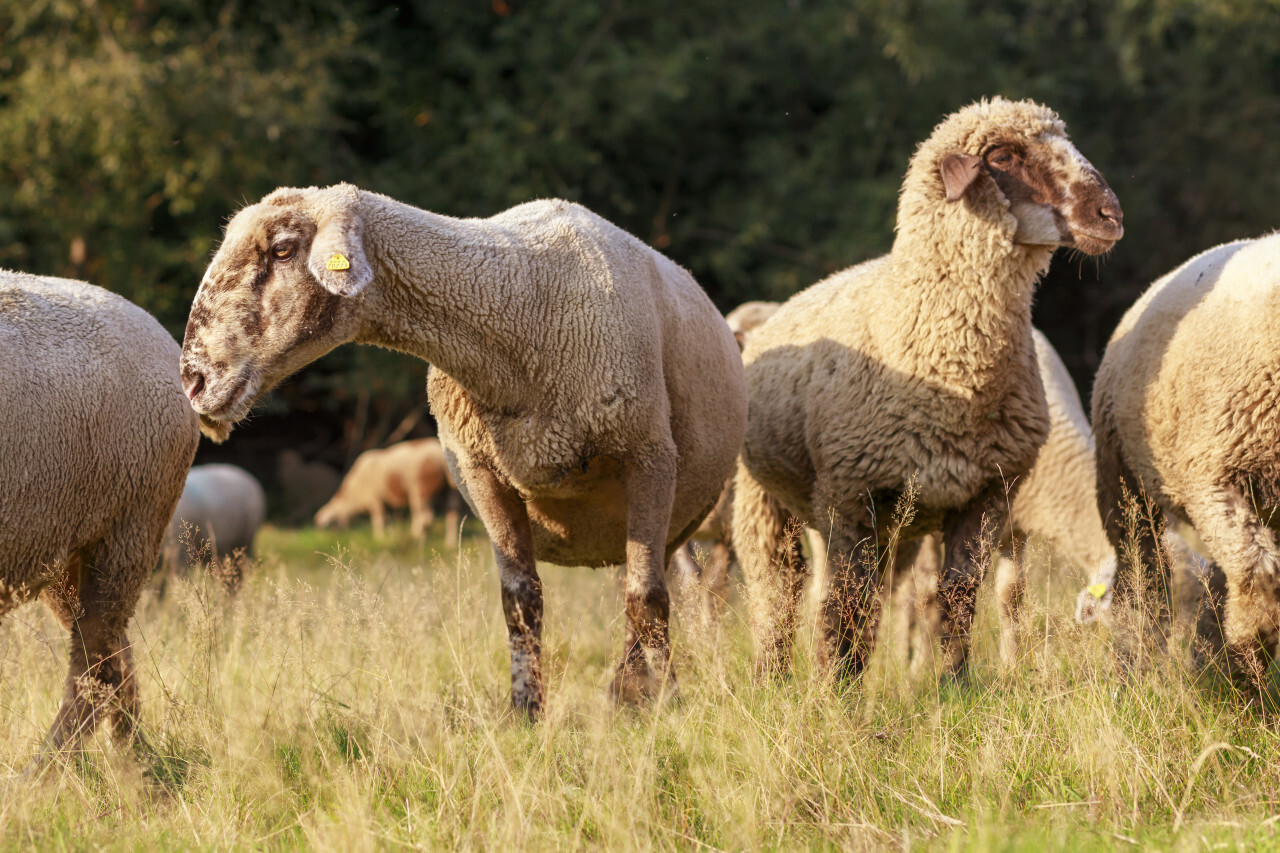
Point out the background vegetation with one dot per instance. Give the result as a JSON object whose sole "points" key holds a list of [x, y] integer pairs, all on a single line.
{"points": [[760, 143]]}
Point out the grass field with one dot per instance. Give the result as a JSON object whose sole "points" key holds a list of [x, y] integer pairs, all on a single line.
{"points": [[355, 696]]}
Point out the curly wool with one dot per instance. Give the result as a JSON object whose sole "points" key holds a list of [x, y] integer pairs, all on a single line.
{"points": [[1187, 412]]}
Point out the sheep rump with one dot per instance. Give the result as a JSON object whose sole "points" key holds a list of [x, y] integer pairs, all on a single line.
{"points": [[98, 437], [1187, 423]]}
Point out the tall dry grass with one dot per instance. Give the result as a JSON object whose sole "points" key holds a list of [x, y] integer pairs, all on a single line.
{"points": [[355, 696]]}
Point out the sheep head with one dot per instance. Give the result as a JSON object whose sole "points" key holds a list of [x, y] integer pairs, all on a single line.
{"points": [[1019, 154], [283, 289]]}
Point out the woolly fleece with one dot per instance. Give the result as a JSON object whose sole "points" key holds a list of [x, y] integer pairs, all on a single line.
{"points": [[96, 442]]}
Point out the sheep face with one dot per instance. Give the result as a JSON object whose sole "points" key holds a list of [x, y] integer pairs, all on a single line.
{"points": [[1057, 197], [275, 298]]}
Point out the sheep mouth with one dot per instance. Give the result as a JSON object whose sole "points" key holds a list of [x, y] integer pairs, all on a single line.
{"points": [[1096, 244], [226, 400]]}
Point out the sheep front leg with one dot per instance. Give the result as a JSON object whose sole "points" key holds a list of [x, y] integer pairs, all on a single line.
{"points": [[1011, 588], [767, 540], [506, 518], [969, 539], [650, 492], [851, 602]]}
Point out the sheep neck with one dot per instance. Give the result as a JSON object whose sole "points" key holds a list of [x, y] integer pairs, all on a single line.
{"points": [[962, 309], [448, 291]]}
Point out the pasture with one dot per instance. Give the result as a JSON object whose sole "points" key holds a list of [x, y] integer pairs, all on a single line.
{"points": [[355, 695]]}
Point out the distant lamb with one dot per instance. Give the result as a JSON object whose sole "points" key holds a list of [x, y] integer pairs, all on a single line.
{"points": [[912, 371], [96, 442], [1187, 421], [411, 473], [571, 370], [216, 521]]}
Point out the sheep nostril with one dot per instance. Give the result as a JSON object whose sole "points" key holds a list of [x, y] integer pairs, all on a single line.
{"points": [[196, 387]]}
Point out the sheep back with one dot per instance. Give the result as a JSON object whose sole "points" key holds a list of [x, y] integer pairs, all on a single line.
{"points": [[223, 505]]}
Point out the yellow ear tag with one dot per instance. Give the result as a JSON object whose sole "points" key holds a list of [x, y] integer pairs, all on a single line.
{"points": [[338, 262], [1098, 590]]}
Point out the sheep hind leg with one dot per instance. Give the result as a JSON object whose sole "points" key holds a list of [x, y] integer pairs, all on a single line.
{"points": [[969, 539], [851, 601], [94, 598], [766, 539], [1141, 600], [1249, 554], [1011, 588], [645, 671]]}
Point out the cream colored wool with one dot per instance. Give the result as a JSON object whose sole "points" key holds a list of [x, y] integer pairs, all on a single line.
{"points": [[216, 520], [1186, 410], [410, 473], [96, 442], [914, 368], [571, 369]]}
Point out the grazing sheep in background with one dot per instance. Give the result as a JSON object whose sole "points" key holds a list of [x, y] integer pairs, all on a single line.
{"points": [[912, 374], [1187, 423], [97, 439], [571, 369], [304, 486], [217, 518], [411, 473]]}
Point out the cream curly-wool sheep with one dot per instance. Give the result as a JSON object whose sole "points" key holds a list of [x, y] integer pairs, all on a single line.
{"points": [[217, 519], [914, 371], [571, 365], [409, 473], [96, 442], [1186, 411]]}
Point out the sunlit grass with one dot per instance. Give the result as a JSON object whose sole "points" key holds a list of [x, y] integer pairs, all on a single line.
{"points": [[355, 696]]}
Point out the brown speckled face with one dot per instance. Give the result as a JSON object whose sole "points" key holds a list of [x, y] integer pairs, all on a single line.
{"points": [[260, 312], [1056, 195]]}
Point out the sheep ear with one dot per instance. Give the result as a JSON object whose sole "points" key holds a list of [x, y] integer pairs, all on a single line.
{"points": [[959, 171], [337, 253]]}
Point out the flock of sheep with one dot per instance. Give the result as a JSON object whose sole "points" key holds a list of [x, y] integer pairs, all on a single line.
{"points": [[904, 412]]}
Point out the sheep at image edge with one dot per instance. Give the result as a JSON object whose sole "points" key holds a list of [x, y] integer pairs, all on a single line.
{"points": [[570, 369], [96, 444], [1186, 412], [916, 370]]}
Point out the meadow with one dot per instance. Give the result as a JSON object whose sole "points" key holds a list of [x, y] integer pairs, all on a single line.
{"points": [[355, 695]]}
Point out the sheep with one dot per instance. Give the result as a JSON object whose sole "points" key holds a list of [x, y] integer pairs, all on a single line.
{"points": [[1185, 414], [911, 378], [97, 439], [217, 517], [410, 473], [571, 365], [304, 485]]}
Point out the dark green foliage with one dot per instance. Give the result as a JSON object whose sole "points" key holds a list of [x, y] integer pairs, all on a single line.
{"points": [[759, 143]]}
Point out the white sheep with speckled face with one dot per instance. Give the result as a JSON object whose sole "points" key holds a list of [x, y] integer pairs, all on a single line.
{"points": [[571, 365], [914, 372], [97, 440]]}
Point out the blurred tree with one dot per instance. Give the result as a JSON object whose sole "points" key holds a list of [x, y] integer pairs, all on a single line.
{"points": [[759, 143]]}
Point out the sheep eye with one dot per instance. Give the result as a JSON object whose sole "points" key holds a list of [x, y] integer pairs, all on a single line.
{"points": [[284, 251], [1000, 157]]}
